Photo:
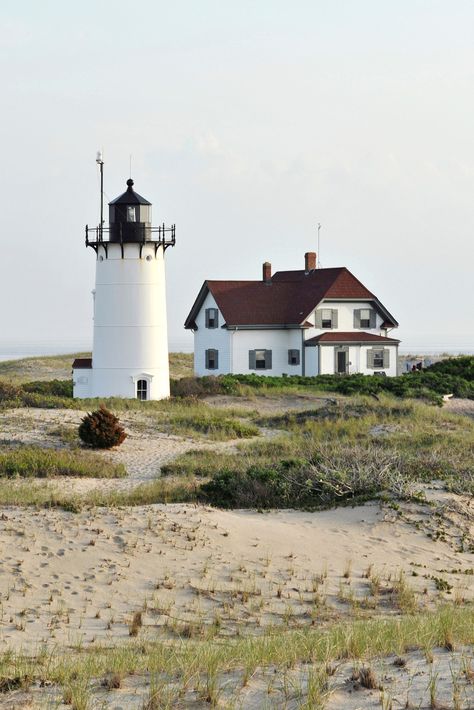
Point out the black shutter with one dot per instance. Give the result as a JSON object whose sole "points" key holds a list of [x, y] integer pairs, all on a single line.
{"points": [[252, 365], [268, 359], [207, 317], [207, 358], [373, 318], [357, 318], [216, 359]]}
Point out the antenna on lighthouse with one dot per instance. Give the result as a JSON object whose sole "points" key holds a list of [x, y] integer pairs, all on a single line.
{"points": [[100, 163], [319, 251]]}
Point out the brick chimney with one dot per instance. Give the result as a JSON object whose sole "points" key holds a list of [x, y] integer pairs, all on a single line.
{"points": [[310, 261], [267, 272]]}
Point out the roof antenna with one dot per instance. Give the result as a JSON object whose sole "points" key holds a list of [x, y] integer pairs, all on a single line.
{"points": [[130, 166], [318, 261], [100, 162]]}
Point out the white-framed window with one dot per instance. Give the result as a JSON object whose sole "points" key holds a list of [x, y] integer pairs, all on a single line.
{"points": [[378, 358], [212, 359], [260, 359], [142, 390], [212, 318], [293, 357]]}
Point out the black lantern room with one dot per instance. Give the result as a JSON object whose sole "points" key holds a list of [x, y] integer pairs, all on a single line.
{"points": [[130, 217], [129, 222]]}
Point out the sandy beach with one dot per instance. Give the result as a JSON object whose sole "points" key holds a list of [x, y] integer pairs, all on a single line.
{"points": [[70, 580]]}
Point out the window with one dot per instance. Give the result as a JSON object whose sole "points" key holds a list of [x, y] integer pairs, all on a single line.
{"points": [[212, 318], [378, 358], [326, 318], [212, 359], [365, 317], [293, 357], [260, 359], [142, 390], [131, 214]]}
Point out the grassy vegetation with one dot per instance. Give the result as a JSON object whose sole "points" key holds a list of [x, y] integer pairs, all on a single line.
{"points": [[190, 418], [353, 451], [58, 367], [34, 462], [45, 367], [348, 452], [447, 377], [175, 668]]}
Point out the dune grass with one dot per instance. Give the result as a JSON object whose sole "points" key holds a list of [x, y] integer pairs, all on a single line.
{"points": [[353, 451], [35, 462], [48, 367], [185, 665]]}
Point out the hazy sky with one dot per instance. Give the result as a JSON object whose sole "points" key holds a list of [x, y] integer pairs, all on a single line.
{"points": [[249, 121]]}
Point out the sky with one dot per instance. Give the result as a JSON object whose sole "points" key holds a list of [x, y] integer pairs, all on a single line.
{"points": [[248, 122]]}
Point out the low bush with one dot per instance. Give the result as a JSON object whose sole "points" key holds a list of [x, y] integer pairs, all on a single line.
{"points": [[56, 394], [196, 386], [446, 377], [41, 463], [458, 366], [101, 429], [55, 388], [330, 477]]}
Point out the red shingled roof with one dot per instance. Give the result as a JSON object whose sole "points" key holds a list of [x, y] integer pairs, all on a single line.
{"points": [[288, 299], [349, 337], [82, 363]]}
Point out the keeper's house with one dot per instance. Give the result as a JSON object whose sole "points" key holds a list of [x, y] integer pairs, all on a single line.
{"points": [[309, 322]]}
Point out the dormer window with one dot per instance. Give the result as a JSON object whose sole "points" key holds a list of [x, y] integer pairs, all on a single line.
{"points": [[365, 317], [212, 318], [326, 318]]}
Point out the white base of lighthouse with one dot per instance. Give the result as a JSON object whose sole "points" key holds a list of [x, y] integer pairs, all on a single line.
{"points": [[130, 349]]}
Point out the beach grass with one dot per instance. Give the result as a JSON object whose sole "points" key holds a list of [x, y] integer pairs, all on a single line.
{"points": [[36, 462], [48, 367], [186, 666]]}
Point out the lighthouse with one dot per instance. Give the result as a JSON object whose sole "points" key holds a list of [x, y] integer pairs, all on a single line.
{"points": [[130, 344]]}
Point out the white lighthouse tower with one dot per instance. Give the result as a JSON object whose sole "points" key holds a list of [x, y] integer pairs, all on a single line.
{"points": [[130, 347]]}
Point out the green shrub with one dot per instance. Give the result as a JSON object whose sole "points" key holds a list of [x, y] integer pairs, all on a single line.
{"points": [[329, 477], [101, 429], [56, 388], [459, 366], [196, 386]]}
